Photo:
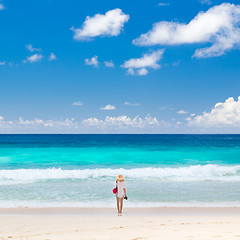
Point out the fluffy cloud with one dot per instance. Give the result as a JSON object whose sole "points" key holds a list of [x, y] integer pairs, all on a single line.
{"points": [[223, 114], [92, 61], [108, 107], [30, 48], [149, 60], [182, 112], [117, 124], [47, 123], [34, 58], [38, 125], [142, 71], [219, 26], [109, 63], [109, 24], [52, 57], [79, 103], [2, 63], [122, 122], [132, 104]]}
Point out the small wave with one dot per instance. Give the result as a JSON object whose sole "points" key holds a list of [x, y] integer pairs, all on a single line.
{"points": [[190, 173]]}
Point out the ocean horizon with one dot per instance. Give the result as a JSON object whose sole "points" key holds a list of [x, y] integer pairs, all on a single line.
{"points": [[78, 170]]}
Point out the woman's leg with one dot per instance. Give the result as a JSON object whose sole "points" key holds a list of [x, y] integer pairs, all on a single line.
{"points": [[121, 204], [118, 204]]}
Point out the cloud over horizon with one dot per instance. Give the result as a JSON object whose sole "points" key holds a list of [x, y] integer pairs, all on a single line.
{"points": [[71, 125], [222, 114], [36, 125], [122, 122]]}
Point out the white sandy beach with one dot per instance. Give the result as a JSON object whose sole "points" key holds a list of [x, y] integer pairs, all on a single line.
{"points": [[135, 224]]}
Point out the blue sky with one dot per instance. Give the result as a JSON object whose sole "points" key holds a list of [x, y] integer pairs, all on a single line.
{"points": [[130, 67]]}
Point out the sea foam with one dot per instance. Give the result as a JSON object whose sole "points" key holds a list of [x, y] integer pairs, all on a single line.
{"points": [[188, 173]]}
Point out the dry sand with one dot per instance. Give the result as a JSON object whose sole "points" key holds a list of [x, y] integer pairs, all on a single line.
{"points": [[135, 224]]}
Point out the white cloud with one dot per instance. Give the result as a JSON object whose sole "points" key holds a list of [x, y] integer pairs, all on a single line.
{"points": [[148, 60], [219, 26], [132, 104], [92, 61], [34, 58], [108, 107], [30, 48], [130, 71], [182, 112], [2, 63], [79, 103], [142, 71], [1, 7], [45, 123], [109, 63], [52, 57], [114, 124], [122, 122], [109, 24], [36, 125], [163, 4], [223, 114]]}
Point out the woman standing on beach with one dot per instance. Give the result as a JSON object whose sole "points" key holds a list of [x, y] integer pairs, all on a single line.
{"points": [[121, 192]]}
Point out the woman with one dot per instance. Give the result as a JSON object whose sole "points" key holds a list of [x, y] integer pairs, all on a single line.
{"points": [[121, 192]]}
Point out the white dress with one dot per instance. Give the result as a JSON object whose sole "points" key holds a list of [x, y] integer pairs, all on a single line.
{"points": [[120, 186]]}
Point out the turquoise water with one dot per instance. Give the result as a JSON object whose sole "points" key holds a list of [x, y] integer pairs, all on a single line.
{"points": [[80, 170]]}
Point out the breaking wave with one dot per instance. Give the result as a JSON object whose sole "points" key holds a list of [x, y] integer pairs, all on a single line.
{"points": [[189, 173]]}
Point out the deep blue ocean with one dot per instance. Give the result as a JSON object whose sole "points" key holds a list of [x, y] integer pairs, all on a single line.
{"points": [[79, 170]]}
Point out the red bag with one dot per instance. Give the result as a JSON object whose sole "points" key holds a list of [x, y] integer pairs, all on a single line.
{"points": [[115, 189]]}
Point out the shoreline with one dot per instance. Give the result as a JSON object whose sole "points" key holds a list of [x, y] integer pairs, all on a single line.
{"points": [[147, 211]]}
